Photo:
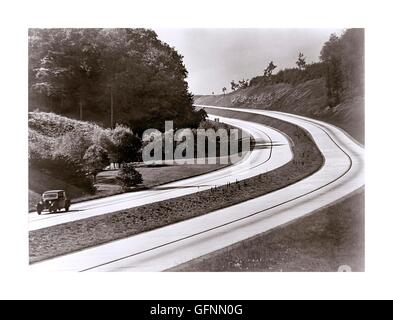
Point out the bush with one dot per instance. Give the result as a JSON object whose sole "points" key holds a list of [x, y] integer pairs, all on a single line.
{"points": [[61, 172], [292, 76], [95, 160], [40, 146], [209, 124], [126, 144], [74, 145], [64, 152], [129, 177]]}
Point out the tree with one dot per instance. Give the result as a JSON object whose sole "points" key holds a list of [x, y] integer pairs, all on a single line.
{"points": [[334, 80], [224, 90], [126, 144], [129, 177], [125, 76], [234, 85], [343, 58], [352, 57], [301, 61], [65, 68], [95, 159], [331, 48], [267, 73], [243, 84], [331, 55]]}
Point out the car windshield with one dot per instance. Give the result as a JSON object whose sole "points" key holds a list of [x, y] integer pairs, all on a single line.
{"points": [[52, 195]]}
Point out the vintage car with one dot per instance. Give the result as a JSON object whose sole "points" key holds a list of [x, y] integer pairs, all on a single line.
{"points": [[53, 200]]}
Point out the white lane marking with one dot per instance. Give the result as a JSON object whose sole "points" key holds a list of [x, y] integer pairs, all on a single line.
{"points": [[275, 212], [238, 171]]}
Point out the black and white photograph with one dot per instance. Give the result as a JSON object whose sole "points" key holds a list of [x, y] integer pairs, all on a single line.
{"points": [[195, 156], [143, 157]]}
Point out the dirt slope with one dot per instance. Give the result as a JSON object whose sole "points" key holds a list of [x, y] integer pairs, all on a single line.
{"points": [[308, 99]]}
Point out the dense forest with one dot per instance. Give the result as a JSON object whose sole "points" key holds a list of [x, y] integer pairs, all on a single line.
{"points": [[109, 76]]}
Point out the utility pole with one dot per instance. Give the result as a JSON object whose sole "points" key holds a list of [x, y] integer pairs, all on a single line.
{"points": [[111, 108], [80, 110]]}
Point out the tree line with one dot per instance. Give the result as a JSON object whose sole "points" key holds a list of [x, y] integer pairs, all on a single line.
{"points": [[341, 65], [109, 76]]}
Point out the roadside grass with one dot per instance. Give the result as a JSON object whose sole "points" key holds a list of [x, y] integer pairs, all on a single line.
{"points": [[107, 184], [68, 237], [306, 99], [320, 242]]}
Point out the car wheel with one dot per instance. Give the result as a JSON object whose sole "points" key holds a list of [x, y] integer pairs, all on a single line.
{"points": [[67, 205]]}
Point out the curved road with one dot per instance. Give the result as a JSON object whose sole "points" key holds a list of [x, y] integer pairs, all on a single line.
{"points": [[253, 163], [163, 248]]}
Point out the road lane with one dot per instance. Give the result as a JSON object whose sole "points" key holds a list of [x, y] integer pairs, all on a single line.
{"points": [[163, 248], [259, 161]]}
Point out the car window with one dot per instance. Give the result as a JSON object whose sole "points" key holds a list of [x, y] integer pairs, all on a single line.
{"points": [[50, 195]]}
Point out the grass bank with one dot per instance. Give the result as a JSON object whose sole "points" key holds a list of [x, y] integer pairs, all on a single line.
{"points": [[324, 241], [306, 99]]}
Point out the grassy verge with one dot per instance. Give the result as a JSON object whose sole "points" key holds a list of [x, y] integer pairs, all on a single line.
{"points": [[107, 184], [68, 237], [324, 241]]}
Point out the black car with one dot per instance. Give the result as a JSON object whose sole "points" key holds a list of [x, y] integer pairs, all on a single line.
{"points": [[53, 200]]}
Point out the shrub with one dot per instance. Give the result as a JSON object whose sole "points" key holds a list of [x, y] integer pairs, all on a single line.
{"points": [[74, 145], [129, 177], [126, 144], [95, 159], [60, 172], [40, 146], [65, 152]]}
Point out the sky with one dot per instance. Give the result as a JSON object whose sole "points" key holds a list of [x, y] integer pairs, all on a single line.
{"points": [[214, 57]]}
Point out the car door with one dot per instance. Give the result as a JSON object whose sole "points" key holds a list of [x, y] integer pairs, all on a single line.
{"points": [[61, 200]]}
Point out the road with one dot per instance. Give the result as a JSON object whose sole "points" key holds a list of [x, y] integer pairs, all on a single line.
{"points": [[260, 160], [163, 248]]}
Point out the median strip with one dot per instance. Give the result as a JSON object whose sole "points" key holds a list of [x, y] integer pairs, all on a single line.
{"points": [[69, 237]]}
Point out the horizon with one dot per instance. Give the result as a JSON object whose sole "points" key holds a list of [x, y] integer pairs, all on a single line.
{"points": [[213, 57]]}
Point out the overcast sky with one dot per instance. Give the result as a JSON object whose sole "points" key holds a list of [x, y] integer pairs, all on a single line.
{"points": [[214, 57]]}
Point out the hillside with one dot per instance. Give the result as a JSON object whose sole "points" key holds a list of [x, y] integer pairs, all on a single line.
{"points": [[331, 90], [50, 167], [40, 182], [307, 99], [52, 135], [310, 95], [54, 126], [57, 151]]}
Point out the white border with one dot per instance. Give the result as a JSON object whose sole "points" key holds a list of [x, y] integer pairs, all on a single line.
{"points": [[17, 16]]}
